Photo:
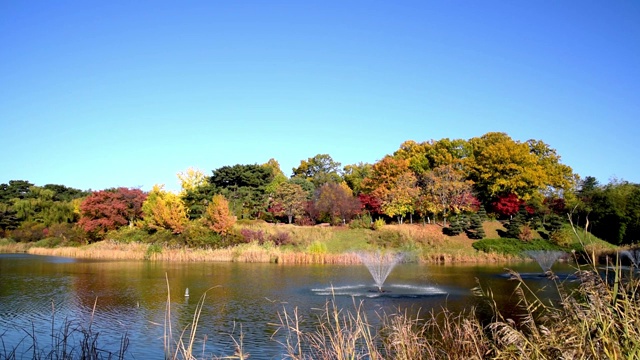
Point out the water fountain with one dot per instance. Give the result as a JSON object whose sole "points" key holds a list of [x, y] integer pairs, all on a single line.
{"points": [[633, 255], [545, 258], [380, 264]]}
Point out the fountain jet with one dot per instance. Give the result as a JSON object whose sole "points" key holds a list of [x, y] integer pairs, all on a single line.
{"points": [[380, 264], [545, 258], [634, 256]]}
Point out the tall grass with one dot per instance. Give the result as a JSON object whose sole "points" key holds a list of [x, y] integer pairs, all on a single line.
{"points": [[71, 340]]}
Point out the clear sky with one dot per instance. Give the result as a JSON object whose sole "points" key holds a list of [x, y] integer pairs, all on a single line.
{"points": [[99, 94]]}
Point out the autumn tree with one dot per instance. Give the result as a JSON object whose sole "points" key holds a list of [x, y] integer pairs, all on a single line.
{"points": [[164, 210], [400, 199], [447, 188], [416, 155], [110, 209], [218, 216], [319, 169], [289, 200], [336, 203], [394, 184], [428, 155], [354, 175], [507, 205], [500, 165], [191, 179], [277, 176]]}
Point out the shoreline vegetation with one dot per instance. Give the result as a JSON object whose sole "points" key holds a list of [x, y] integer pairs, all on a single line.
{"points": [[425, 243]]}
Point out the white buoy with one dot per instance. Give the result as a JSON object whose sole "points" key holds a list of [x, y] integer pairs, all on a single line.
{"points": [[186, 293]]}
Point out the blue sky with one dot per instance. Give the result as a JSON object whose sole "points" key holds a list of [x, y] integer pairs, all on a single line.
{"points": [[128, 93]]}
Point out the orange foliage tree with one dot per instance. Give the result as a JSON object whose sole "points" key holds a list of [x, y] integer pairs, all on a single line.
{"points": [[218, 216]]}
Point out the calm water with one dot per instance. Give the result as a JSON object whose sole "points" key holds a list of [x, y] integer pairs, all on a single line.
{"points": [[39, 294]]}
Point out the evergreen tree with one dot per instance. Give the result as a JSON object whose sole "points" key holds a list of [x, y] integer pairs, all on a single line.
{"points": [[455, 227], [482, 213], [514, 226], [476, 231], [555, 224]]}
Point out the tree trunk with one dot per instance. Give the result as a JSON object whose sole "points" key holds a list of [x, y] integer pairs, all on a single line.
{"points": [[290, 218]]}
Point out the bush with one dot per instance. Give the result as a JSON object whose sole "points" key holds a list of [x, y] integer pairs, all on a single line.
{"points": [[388, 239], [251, 235], [49, 242], [363, 221], [281, 238], [317, 248], [198, 235], [513, 246], [29, 232], [562, 237], [526, 234], [67, 233], [127, 235], [378, 224]]}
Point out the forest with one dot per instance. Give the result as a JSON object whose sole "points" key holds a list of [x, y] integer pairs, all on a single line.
{"points": [[456, 183]]}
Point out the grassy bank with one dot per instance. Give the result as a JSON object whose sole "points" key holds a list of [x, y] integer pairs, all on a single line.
{"points": [[306, 244], [323, 245]]}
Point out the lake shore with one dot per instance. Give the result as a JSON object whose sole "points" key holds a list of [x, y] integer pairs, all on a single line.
{"points": [[247, 253]]}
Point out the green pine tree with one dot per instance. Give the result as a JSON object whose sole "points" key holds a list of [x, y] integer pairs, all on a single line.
{"points": [[482, 213], [455, 227], [476, 230]]}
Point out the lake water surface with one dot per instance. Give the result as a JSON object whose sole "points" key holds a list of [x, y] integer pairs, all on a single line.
{"points": [[39, 294]]}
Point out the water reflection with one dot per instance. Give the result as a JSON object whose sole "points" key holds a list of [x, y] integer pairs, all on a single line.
{"points": [[117, 297]]}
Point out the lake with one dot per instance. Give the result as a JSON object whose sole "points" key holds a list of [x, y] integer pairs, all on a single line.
{"points": [[39, 294]]}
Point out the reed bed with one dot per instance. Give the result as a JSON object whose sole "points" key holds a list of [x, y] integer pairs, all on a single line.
{"points": [[8, 246]]}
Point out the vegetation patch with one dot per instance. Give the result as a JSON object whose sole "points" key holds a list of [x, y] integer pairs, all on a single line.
{"points": [[513, 246]]}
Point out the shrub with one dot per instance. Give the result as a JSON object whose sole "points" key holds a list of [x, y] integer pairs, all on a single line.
{"points": [[388, 238], [378, 224], [152, 250], [251, 235], [67, 233], [127, 235], [363, 221], [526, 234], [512, 246], [198, 235], [29, 232], [317, 248], [49, 242], [280, 238], [562, 237]]}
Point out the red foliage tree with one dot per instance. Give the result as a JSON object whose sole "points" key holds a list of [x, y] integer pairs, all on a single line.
{"points": [[507, 205], [110, 209], [336, 202], [370, 203]]}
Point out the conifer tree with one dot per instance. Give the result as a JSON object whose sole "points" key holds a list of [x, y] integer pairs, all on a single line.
{"points": [[477, 230], [482, 213], [514, 226], [456, 227]]}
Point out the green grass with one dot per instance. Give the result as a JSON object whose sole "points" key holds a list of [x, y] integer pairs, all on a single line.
{"points": [[345, 240]]}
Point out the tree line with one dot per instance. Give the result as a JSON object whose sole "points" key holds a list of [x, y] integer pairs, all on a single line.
{"points": [[444, 180]]}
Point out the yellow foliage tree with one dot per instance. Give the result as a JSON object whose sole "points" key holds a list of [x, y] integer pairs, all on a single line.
{"points": [[191, 179], [501, 165], [164, 210], [218, 216]]}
